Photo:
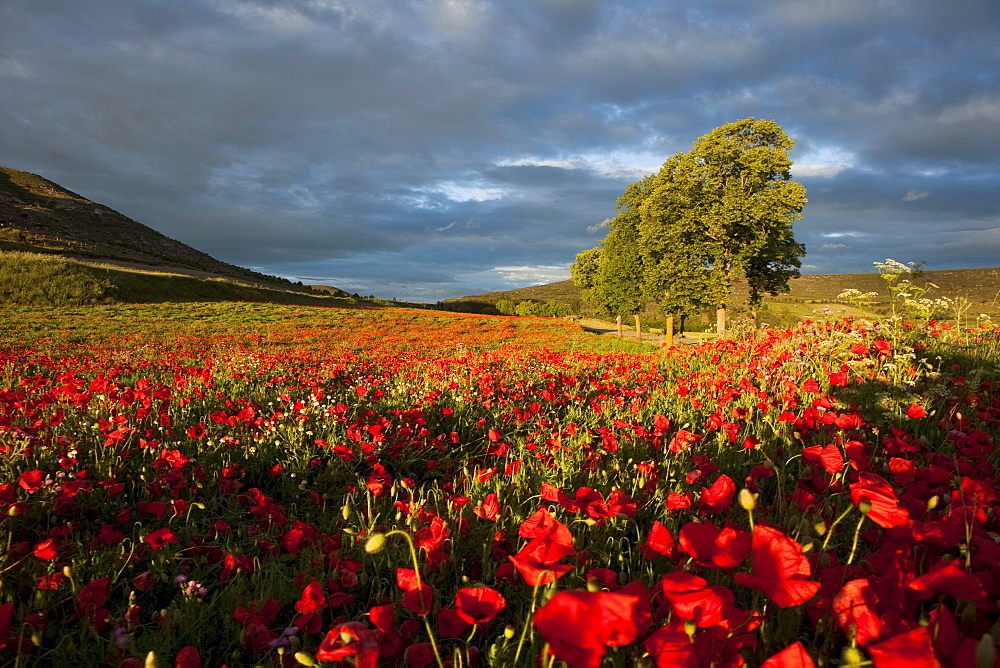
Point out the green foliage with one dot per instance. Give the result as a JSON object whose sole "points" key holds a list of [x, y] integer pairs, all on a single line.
{"points": [[684, 235], [505, 307], [45, 280], [550, 309]]}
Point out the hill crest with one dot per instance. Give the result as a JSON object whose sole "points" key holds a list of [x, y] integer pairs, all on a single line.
{"points": [[38, 215]]}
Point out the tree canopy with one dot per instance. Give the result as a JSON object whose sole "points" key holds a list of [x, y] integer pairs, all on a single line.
{"points": [[682, 236]]}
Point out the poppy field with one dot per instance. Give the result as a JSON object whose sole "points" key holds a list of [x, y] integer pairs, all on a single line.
{"points": [[240, 484]]}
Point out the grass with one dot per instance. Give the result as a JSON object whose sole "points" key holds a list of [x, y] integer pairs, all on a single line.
{"points": [[48, 279]]}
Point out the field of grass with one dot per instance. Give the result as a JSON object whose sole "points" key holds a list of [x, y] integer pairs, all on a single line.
{"points": [[208, 484]]}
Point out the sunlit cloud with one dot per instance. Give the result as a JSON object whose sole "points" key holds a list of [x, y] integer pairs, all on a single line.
{"points": [[536, 275]]}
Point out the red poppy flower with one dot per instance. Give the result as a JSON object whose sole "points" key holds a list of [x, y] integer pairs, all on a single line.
{"points": [[479, 605], [350, 639], [779, 568], [197, 431], [712, 547], [552, 541], [490, 508], [31, 480], [693, 599], [188, 657], [51, 581], [828, 457], [854, 606], [946, 577], [679, 500], [312, 600], [913, 649], [580, 625], [793, 656], [419, 600], [659, 541], [882, 347], [157, 539], [449, 624], [47, 549], [718, 497], [670, 647], [885, 509], [143, 581]]}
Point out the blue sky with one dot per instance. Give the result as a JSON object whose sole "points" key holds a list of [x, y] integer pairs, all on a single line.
{"points": [[438, 148]]}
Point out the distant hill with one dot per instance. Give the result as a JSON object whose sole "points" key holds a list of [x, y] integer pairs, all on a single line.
{"points": [[40, 216], [980, 286]]}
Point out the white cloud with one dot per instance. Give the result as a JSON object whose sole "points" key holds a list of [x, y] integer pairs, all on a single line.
{"points": [[833, 246], [604, 164], [913, 195], [597, 227], [823, 162], [848, 233], [470, 224], [469, 191], [536, 275]]}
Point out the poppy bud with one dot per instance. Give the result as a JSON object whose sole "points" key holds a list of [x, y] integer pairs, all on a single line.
{"points": [[851, 656], [305, 659], [14, 510], [747, 500], [508, 631], [932, 502], [865, 506], [820, 528], [690, 628], [375, 544], [67, 571], [152, 661], [986, 652], [345, 512]]}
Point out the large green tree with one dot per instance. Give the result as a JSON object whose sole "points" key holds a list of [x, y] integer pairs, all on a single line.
{"points": [[682, 236], [725, 210]]}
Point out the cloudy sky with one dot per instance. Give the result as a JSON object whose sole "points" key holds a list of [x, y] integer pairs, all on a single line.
{"points": [[429, 149]]}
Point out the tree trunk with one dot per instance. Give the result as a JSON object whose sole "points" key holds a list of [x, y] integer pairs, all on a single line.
{"points": [[720, 320], [668, 331], [638, 326], [618, 320]]}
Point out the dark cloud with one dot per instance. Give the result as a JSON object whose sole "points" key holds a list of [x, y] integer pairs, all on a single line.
{"points": [[446, 147]]}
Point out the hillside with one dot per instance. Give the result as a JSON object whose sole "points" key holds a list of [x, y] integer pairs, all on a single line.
{"points": [[40, 216]]}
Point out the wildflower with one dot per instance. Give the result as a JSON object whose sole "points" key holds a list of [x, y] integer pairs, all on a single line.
{"points": [[779, 568], [350, 639], [580, 625]]}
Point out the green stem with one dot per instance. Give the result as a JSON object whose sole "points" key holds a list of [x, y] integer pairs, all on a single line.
{"points": [[524, 632], [416, 572], [854, 547], [829, 532]]}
